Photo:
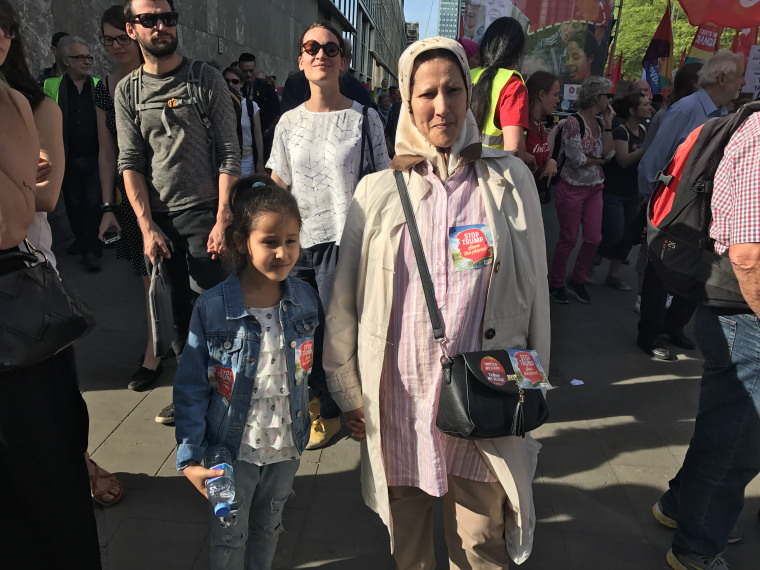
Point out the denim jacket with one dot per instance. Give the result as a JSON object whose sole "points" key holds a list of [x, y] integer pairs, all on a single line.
{"points": [[216, 375]]}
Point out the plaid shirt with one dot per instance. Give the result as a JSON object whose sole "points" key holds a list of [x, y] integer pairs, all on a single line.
{"points": [[736, 193], [415, 452]]}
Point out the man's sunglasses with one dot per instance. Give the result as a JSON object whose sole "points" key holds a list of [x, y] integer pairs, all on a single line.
{"points": [[122, 40], [233, 80], [168, 19], [82, 58], [9, 28], [312, 47]]}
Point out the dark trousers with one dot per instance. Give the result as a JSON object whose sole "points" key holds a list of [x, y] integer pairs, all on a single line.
{"points": [[46, 512], [190, 268], [316, 265], [655, 318], [82, 197], [618, 214]]}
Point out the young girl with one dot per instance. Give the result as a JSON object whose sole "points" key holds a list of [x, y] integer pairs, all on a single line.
{"points": [[242, 381]]}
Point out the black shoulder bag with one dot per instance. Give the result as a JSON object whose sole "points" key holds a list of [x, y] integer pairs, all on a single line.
{"points": [[366, 140], [471, 405]]}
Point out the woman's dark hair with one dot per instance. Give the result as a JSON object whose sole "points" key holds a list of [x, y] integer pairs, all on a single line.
{"points": [[15, 68], [250, 197], [623, 106], [115, 17], [684, 82], [539, 81], [438, 53], [329, 28], [501, 48]]}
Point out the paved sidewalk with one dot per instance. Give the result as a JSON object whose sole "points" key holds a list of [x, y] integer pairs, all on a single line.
{"points": [[608, 451]]}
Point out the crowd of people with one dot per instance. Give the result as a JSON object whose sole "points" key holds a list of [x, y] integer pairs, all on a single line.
{"points": [[296, 289]]}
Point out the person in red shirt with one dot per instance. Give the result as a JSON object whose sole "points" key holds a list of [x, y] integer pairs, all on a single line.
{"points": [[543, 98], [501, 48]]}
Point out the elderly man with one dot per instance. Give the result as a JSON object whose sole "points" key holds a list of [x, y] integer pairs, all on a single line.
{"points": [[720, 81], [74, 91], [706, 496]]}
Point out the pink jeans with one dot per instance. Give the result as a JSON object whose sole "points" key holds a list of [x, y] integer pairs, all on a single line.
{"points": [[576, 206]]}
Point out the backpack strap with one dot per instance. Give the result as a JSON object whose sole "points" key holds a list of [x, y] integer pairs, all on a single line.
{"points": [[195, 96], [581, 123], [366, 138]]}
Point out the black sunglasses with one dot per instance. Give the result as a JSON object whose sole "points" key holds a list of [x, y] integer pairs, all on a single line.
{"points": [[169, 19], [122, 40], [82, 58], [312, 47], [9, 28], [233, 80]]}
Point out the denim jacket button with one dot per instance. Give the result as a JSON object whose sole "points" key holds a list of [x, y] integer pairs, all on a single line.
{"points": [[307, 327], [299, 414], [227, 345], [293, 344], [284, 307]]}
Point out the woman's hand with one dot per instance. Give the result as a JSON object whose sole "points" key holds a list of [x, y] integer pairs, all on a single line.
{"points": [[355, 422], [549, 171], [43, 169], [108, 220], [609, 114], [197, 474]]}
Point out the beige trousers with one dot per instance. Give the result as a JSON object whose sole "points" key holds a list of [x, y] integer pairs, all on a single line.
{"points": [[473, 517]]}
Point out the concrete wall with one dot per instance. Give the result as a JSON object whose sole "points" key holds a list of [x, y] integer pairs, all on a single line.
{"points": [[212, 30]]}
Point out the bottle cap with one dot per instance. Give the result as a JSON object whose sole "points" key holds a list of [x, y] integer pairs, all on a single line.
{"points": [[222, 509]]}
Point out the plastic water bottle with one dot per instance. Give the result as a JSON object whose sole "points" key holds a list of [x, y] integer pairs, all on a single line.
{"points": [[221, 490]]}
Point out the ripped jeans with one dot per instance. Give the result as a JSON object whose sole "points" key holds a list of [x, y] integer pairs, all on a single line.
{"points": [[260, 495]]}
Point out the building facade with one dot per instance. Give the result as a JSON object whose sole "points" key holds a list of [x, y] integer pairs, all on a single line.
{"points": [[219, 30], [412, 32], [448, 18]]}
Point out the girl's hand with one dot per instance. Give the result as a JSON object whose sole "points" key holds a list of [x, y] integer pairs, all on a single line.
{"points": [[355, 422], [550, 170], [197, 474]]}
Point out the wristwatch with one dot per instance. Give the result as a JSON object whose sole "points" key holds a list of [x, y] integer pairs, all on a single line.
{"points": [[106, 207]]}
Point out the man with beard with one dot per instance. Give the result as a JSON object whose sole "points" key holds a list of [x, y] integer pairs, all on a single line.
{"points": [[177, 181]]}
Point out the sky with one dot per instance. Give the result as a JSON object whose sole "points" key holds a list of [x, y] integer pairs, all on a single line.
{"points": [[426, 13]]}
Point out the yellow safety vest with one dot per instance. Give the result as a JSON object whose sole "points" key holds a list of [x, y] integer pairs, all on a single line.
{"points": [[492, 135], [52, 86]]}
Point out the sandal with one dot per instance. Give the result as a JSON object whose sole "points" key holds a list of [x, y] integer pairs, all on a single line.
{"points": [[102, 483]]}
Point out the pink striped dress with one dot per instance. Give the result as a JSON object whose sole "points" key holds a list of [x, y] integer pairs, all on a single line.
{"points": [[415, 452]]}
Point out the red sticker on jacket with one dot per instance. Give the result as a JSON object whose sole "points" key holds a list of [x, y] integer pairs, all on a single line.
{"points": [[493, 371], [225, 378], [307, 355], [473, 244], [527, 366]]}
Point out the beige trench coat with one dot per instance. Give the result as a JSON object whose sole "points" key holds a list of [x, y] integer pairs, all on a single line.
{"points": [[516, 316]]}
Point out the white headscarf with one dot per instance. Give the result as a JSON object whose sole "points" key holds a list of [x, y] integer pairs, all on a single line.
{"points": [[409, 140]]}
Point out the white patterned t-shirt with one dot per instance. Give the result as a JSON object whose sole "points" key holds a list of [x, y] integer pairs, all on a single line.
{"points": [[318, 155]]}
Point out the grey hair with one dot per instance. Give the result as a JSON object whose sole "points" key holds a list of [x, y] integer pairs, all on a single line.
{"points": [[62, 49], [591, 89], [724, 61]]}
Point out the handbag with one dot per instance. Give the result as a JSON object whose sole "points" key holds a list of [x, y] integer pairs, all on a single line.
{"points": [[40, 315], [366, 141], [480, 397], [161, 309]]}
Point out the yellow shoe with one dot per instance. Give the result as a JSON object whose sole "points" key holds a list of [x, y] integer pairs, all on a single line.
{"points": [[322, 432], [314, 409]]}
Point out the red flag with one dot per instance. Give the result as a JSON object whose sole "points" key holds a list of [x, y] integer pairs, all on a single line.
{"points": [[725, 13], [544, 13], [743, 42], [658, 60], [617, 72], [705, 43]]}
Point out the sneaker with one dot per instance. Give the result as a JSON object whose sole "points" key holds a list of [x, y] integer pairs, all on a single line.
{"points": [[322, 432], [668, 301], [144, 378], [616, 282], [668, 520], [590, 274], [166, 416], [578, 290], [637, 305], [558, 295], [314, 408], [694, 561]]}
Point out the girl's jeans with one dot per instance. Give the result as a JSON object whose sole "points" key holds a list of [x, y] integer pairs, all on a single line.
{"points": [[576, 206], [260, 495]]}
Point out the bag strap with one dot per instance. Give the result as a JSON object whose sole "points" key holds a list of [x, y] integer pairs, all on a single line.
{"points": [[366, 137], [419, 255]]}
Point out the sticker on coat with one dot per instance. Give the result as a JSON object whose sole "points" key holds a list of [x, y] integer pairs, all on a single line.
{"points": [[530, 373], [304, 356], [471, 246], [222, 378]]}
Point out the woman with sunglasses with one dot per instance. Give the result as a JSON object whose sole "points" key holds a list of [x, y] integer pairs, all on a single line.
{"points": [[248, 125], [129, 246], [317, 155], [43, 418]]}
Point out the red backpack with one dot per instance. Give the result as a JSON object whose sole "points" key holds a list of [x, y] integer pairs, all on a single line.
{"points": [[680, 214]]}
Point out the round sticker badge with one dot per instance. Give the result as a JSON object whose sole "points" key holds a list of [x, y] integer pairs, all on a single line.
{"points": [[473, 244], [493, 370]]}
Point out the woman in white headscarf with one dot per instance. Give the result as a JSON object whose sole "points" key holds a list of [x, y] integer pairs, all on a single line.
{"points": [[380, 358]]}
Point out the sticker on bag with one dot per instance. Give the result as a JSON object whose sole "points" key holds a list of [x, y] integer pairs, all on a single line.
{"points": [[222, 378], [527, 367], [471, 246], [304, 356]]}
